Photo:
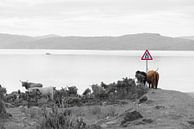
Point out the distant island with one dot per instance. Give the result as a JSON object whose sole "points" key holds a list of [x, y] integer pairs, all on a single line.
{"points": [[140, 41]]}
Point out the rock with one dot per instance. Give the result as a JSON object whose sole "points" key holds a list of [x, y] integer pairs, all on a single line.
{"points": [[130, 116], [104, 126], [159, 107], [144, 121], [147, 121], [143, 99], [191, 122], [112, 122], [8, 105], [149, 101]]}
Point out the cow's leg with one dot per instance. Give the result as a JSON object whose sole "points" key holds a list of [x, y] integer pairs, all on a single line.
{"points": [[157, 79], [148, 84], [152, 85], [155, 85], [155, 82]]}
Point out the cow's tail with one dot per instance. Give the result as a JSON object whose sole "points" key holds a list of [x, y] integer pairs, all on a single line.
{"points": [[156, 70], [157, 79]]}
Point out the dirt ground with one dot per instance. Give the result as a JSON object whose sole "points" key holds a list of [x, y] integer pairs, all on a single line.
{"points": [[163, 110], [191, 94]]}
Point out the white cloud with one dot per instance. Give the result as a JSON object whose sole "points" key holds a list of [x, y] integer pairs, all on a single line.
{"points": [[102, 17]]}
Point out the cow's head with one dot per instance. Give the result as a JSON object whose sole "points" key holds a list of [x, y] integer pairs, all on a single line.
{"points": [[25, 84], [137, 73]]}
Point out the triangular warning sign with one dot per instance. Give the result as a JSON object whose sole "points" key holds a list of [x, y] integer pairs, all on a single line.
{"points": [[146, 56]]}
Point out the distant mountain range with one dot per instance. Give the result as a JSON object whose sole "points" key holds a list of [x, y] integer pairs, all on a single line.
{"points": [[140, 41], [187, 37]]}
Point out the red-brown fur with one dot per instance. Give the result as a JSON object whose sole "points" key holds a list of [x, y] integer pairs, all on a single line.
{"points": [[152, 79]]}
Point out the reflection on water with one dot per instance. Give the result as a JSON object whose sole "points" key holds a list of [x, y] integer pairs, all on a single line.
{"points": [[83, 68]]}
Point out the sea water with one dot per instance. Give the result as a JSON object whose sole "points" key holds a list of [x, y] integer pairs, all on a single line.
{"points": [[82, 68]]}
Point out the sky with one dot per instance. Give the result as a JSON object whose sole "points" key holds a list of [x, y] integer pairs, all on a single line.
{"points": [[97, 17]]}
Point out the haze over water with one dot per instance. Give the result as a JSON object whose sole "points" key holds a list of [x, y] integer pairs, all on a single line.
{"points": [[82, 68]]}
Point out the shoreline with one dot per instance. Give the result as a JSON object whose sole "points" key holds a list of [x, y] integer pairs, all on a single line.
{"points": [[49, 52]]}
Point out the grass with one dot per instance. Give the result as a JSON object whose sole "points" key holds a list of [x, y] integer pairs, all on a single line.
{"points": [[33, 112], [95, 110], [1, 126], [103, 111], [62, 120]]}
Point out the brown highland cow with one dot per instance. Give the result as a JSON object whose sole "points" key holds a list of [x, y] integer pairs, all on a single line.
{"points": [[152, 79]]}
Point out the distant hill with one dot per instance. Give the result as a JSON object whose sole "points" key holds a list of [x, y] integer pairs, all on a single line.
{"points": [[9, 41], [126, 42], [47, 36], [188, 37]]}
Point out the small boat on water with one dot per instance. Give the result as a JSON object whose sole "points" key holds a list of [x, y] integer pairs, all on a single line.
{"points": [[47, 53]]}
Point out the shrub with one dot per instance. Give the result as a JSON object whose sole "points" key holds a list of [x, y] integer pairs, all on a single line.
{"points": [[3, 91], [2, 108], [3, 113], [71, 101], [63, 120], [99, 92], [72, 90], [86, 92], [122, 89]]}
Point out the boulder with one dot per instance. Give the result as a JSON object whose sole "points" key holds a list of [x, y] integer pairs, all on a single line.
{"points": [[130, 116], [143, 99], [159, 107], [191, 122]]}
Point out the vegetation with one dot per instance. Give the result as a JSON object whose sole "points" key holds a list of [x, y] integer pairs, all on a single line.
{"points": [[122, 89], [44, 112], [63, 120], [68, 97], [102, 112], [3, 113], [3, 91]]}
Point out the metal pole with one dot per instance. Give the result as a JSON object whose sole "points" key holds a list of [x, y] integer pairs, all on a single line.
{"points": [[146, 66]]}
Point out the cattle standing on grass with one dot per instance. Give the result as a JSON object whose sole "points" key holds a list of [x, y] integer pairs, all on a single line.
{"points": [[152, 79], [38, 87], [45, 91], [141, 77], [28, 85]]}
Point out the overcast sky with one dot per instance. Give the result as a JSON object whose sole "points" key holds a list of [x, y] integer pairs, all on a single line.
{"points": [[97, 17]]}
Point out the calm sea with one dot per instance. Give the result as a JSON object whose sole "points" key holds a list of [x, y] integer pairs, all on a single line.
{"points": [[61, 68]]}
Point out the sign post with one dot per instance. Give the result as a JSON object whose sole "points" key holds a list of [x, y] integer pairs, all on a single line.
{"points": [[146, 65], [146, 56]]}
